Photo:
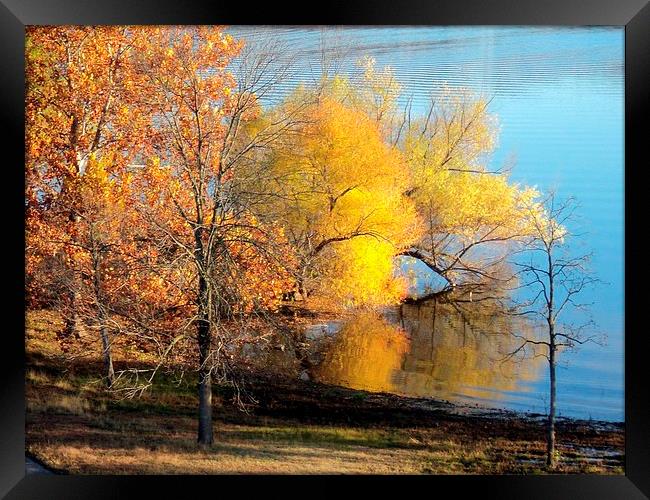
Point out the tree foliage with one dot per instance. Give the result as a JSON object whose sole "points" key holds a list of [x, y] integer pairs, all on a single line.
{"points": [[342, 193]]}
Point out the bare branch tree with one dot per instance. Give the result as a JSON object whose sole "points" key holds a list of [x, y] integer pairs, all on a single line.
{"points": [[554, 277]]}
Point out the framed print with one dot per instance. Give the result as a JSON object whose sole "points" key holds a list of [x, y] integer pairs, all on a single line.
{"points": [[382, 243]]}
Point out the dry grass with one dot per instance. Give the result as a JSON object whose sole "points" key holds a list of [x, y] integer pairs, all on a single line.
{"points": [[165, 445], [60, 404], [149, 446], [74, 425], [231, 458]]}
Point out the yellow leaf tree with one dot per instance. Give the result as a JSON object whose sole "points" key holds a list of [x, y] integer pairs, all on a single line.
{"points": [[341, 199], [472, 217]]}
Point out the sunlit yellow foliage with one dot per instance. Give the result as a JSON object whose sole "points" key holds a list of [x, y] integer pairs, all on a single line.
{"points": [[360, 272], [472, 216], [445, 152], [451, 185], [464, 202], [458, 134], [344, 188], [374, 93]]}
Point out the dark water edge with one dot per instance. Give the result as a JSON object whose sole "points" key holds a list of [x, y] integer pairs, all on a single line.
{"points": [[455, 362], [314, 403], [460, 409]]}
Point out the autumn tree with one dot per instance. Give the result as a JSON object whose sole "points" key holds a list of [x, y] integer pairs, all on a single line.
{"points": [[470, 217], [554, 277], [340, 192], [80, 126], [473, 217], [201, 153], [137, 158]]}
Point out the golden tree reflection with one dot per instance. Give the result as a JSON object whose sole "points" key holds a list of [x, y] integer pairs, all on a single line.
{"points": [[432, 349], [365, 354]]}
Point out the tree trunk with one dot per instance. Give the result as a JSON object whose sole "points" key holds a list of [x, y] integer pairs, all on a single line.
{"points": [[73, 323], [205, 386], [300, 284], [433, 330], [108, 357], [205, 382], [101, 315], [550, 438]]}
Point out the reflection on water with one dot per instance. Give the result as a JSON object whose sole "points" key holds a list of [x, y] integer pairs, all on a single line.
{"points": [[431, 350], [365, 354]]}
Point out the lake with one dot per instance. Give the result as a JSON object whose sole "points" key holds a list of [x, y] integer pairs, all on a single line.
{"points": [[559, 97]]}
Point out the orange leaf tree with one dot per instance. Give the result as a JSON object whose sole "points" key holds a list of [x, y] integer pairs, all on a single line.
{"points": [[81, 123], [198, 153]]}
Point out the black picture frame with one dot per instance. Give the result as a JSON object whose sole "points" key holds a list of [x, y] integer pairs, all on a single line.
{"points": [[16, 14]]}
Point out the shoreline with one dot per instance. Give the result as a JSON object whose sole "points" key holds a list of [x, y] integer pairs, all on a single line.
{"points": [[438, 406], [333, 429], [74, 426], [312, 347]]}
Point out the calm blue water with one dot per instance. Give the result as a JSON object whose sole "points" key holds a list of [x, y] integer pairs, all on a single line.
{"points": [[559, 97]]}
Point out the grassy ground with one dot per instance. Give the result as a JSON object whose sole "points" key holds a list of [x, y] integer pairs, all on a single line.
{"points": [[75, 426]]}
